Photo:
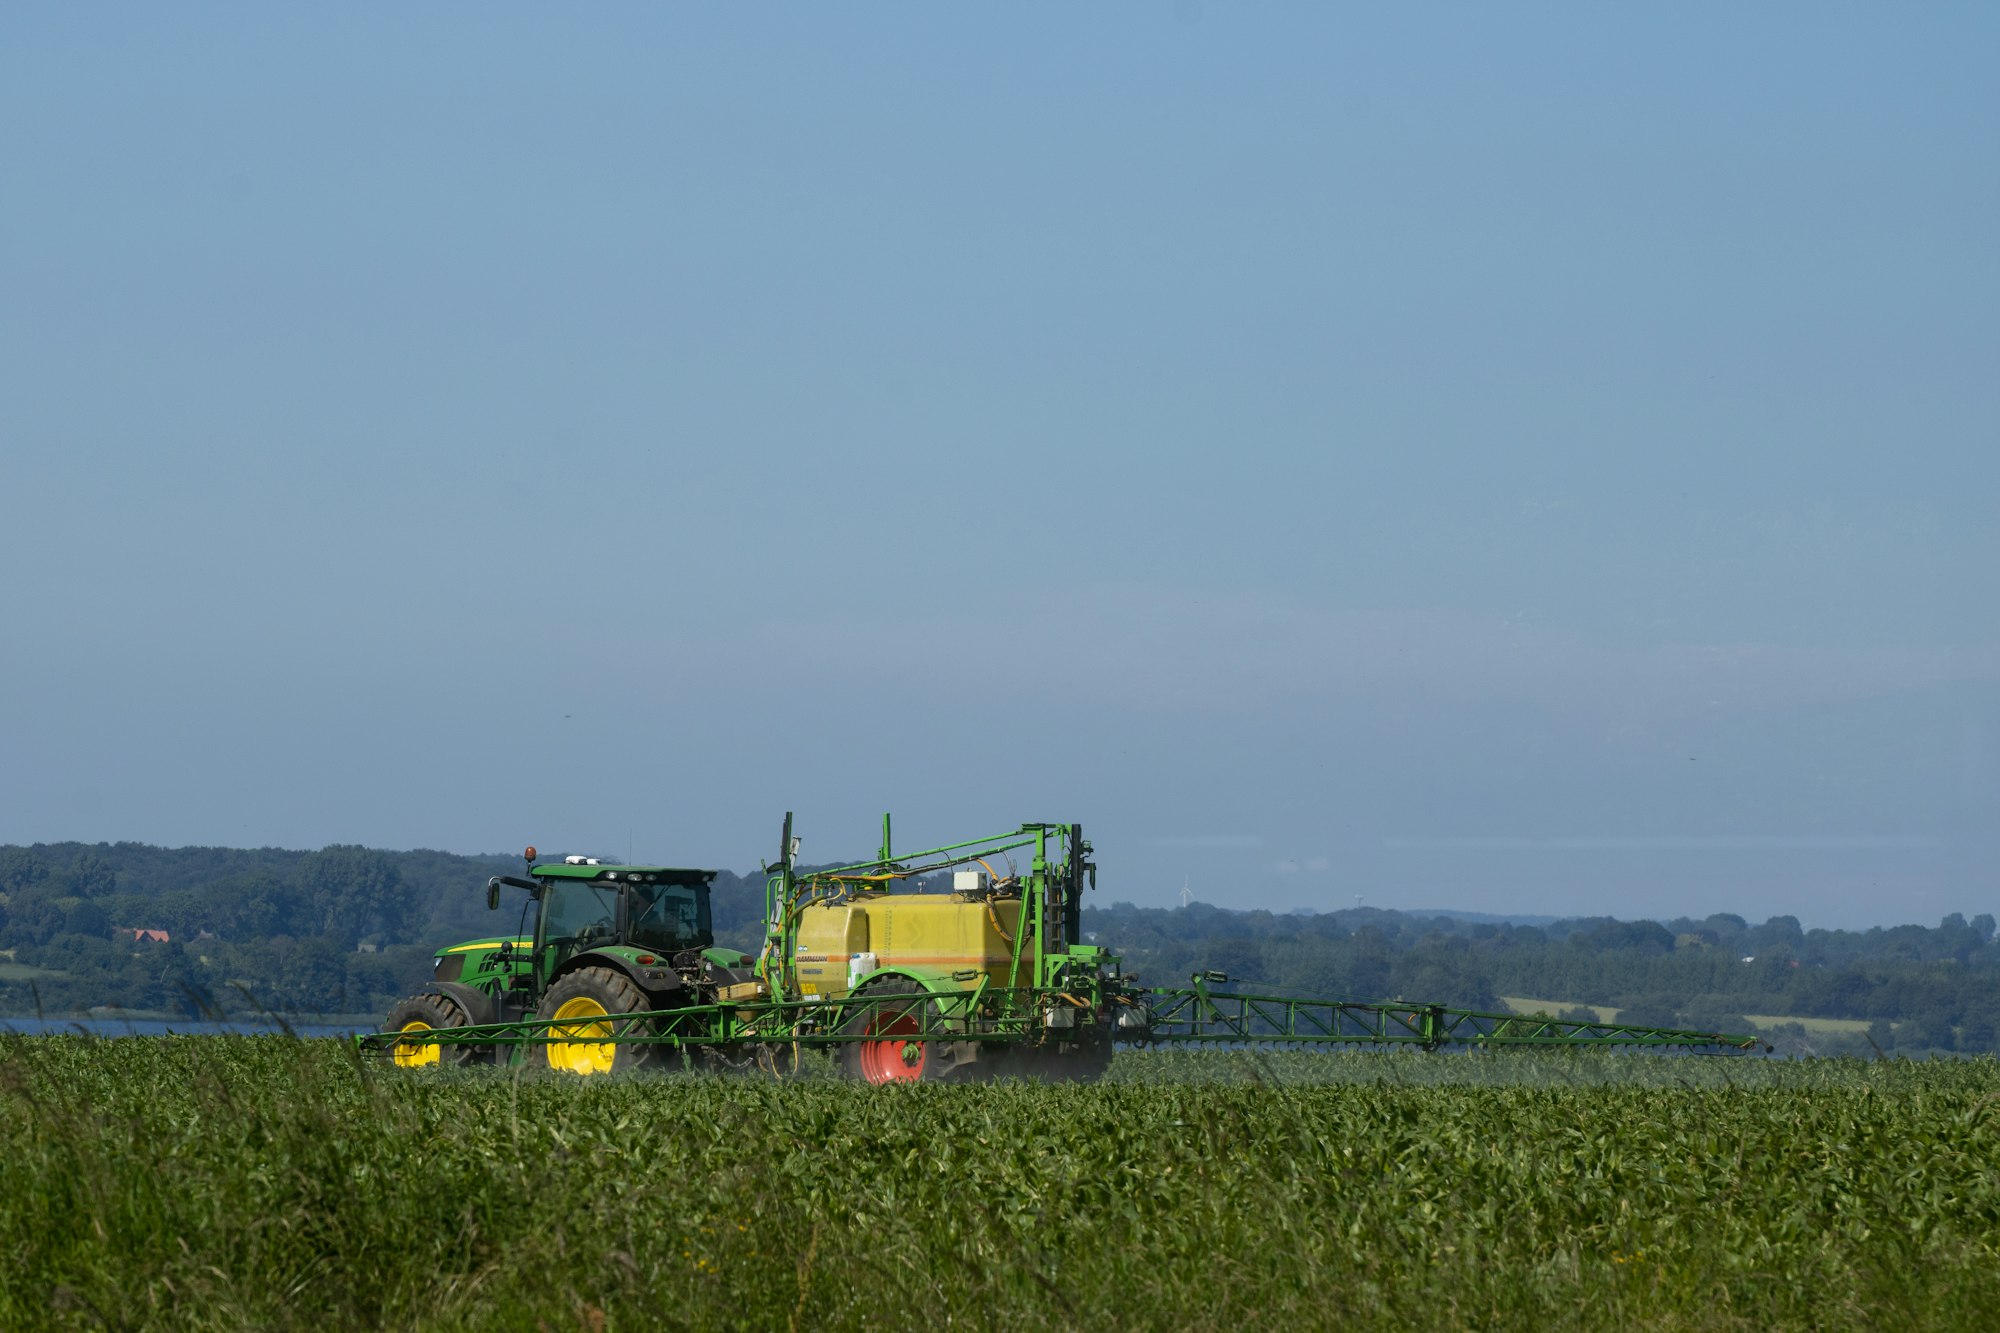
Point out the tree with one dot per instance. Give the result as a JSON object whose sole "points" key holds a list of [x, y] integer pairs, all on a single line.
{"points": [[1654, 1009], [256, 906], [313, 978], [1882, 1035], [91, 876], [1928, 1031], [1780, 934], [1241, 959], [1711, 1013], [33, 917], [352, 892], [20, 868], [1956, 939], [1368, 964], [1981, 1029], [1644, 936], [84, 917]]}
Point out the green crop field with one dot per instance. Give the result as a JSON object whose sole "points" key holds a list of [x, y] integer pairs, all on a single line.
{"points": [[238, 1183]]}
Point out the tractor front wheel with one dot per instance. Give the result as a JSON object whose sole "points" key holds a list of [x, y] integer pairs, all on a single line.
{"points": [[586, 1006], [420, 1014]]}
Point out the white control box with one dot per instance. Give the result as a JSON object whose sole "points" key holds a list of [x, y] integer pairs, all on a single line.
{"points": [[969, 881]]}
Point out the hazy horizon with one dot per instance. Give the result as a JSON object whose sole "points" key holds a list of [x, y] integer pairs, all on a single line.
{"points": [[1537, 461]]}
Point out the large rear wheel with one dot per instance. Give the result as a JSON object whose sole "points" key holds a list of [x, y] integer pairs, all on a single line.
{"points": [[587, 1007], [419, 1015], [892, 1049]]}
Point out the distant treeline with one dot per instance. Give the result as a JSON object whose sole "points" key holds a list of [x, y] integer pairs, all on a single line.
{"points": [[345, 929], [1920, 988], [349, 929]]}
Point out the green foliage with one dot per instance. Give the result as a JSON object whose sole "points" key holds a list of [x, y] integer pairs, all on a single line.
{"points": [[91, 876], [35, 915], [251, 929], [351, 891], [1942, 984], [21, 867], [85, 917], [202, 1183], [288, 927]]}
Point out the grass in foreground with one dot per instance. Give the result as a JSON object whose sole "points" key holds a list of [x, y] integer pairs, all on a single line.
{"points": [[230, 1183]]}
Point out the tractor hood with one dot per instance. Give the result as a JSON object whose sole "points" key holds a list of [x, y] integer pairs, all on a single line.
{"points": [[485, 946]]}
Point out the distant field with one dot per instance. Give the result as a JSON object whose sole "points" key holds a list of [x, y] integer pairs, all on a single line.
{"points": [[22, 972], [237, 1183], [1812, 1025], [1608, 1014], [1605, 1013]]}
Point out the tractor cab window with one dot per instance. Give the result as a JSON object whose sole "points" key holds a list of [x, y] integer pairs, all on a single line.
{"points": [[577, 915], [669, 917]]}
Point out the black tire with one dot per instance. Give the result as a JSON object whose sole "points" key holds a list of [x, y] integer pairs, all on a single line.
{"points": [[895, 1058], [592, 998], [421, 1013]]}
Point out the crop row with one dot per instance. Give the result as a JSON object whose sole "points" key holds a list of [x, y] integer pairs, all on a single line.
{"points": [[257, 1182]]}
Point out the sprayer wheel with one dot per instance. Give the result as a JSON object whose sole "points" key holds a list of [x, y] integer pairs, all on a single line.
{"points": [[892, 1054]]}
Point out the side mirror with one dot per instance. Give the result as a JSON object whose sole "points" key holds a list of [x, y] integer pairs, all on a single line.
{"points": [[493, 895]]}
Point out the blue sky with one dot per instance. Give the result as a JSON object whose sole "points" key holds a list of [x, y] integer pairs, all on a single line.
{"points": [[1516, 461]]}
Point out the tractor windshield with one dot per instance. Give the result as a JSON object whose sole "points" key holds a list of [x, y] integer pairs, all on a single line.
{"points": [[670, 917], [576, 914]]}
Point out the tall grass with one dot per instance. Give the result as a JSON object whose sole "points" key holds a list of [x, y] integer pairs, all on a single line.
{"points": [[236, 1183]]}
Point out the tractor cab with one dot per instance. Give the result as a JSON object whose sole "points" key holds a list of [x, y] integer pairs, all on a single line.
{"points": [[650, 923], [586, 906]]}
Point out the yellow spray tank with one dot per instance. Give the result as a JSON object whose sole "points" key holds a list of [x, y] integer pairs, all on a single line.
{"points": [[995, 961], [956, 937]]}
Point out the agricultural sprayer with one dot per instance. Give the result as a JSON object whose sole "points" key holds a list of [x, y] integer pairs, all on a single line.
{"points": [[956, 962]]}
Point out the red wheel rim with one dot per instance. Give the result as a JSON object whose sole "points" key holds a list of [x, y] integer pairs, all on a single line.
{"points": [[898, 1060]]}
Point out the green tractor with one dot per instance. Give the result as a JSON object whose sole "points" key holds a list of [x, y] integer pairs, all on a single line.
{"points": [[609, 940]]}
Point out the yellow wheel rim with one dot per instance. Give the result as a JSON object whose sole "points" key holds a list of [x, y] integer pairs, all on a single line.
{"points": [[410, 1054], [579, 1046]]}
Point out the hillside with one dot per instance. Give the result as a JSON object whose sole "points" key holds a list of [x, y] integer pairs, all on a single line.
{"points": [[349, 929]]}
